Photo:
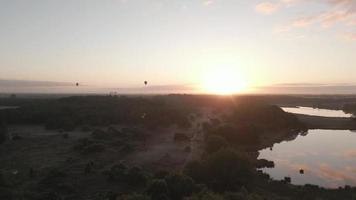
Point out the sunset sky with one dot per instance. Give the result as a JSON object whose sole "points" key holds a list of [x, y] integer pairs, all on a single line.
{"points": [[121, 43]]}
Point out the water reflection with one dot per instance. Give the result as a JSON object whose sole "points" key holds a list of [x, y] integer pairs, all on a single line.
{"points": [[316, 112], [328, 158]]}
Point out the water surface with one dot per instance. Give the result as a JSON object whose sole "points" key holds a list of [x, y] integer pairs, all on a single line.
{"points": [[316, 112], [327, 156]]}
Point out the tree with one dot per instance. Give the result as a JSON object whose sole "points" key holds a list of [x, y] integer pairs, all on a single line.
{"points": [[158, 189], [228, 169], [179, 186], [3, 132], [215, 143]]}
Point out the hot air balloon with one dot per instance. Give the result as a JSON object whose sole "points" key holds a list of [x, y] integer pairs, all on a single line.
{"points": [[145, 82], [77, 84]]}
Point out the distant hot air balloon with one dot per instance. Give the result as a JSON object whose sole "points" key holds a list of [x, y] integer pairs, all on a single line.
{"points": [[77, 84], [145, 82]]}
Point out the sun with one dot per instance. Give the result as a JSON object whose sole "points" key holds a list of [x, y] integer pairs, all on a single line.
{"points": [[223, 81]]}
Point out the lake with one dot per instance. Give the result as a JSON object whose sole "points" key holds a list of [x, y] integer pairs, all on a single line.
{"points": [[316, 112], [327, 156]]}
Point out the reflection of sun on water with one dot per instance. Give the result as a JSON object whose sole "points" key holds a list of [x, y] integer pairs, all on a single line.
{"points": [[223, 81]]}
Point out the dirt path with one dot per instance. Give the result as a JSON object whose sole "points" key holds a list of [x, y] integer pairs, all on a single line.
{"points": [[163, 152]]}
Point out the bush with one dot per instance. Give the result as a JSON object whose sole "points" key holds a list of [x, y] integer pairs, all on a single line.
{"points": [[136, 177], [2, 180], [262, 163], [117, 173], [181, 137], [82, 144], [224, 170], [94, 148], [196, 170], [3, 133], [179, 186], [53, 177], [228, 169], [6, 193], [99, 134], [215, 143], [205, 196], [158, 189], [136, 197]]}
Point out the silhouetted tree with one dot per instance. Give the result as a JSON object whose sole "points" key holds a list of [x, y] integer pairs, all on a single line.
{"points": [[215, 143], [3, 132], [158, 190], [179, 186]]}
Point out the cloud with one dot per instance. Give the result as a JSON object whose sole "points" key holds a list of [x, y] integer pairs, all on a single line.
{"points": [[28, 83], [335, 12], [350, 36], [208, 2], [267, 7]]}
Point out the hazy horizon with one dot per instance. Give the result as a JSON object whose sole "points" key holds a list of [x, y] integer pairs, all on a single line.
{"points": [[48, 87], [221, 46]]}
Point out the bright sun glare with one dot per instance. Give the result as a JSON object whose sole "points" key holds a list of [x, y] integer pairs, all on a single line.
{"points": [[223, 81]]}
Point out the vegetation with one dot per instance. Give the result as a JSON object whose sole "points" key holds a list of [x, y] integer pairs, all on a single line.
{"points": [[3, 133], [97, 168], [71, 112]]}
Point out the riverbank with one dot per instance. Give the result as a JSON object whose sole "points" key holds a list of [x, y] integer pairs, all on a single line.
{"points": [[333, 123]]}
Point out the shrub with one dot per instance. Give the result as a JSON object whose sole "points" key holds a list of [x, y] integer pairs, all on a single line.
{"points": [[222, 171], [99, 134], [181, 137], [82, 144], [196, 170], [6, 193], [53, 177], [158, 189], [94, 148], [262, 163], [179, 186], [136, 176], [2, 180], [65, 136], [187, 149], [205, 196], [136, 197], [117, 173], [3, 133], [215, 143], [228, 169]]}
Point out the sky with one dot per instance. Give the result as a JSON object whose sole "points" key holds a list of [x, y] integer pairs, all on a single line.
{"points": [[174, 43]]}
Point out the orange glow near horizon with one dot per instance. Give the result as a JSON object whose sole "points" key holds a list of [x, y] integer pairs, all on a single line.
{"points": [[223, 81]]}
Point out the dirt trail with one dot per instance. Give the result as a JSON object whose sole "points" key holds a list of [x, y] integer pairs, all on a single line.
{"points": [[163, 152]]}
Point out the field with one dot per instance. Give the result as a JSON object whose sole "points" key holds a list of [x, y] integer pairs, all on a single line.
{"points": [[154, 147]]}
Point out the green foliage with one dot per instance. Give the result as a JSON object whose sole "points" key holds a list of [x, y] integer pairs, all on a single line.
{"points": [[241, 135], [223, 170], [179, 186], [181, 137], [134, 176], [3, 133], [117, 173], [214, 143], [158, 189], [264, 117], [196, 170], [94, 148], [136, 197], [71, 112], [205, 196]]}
